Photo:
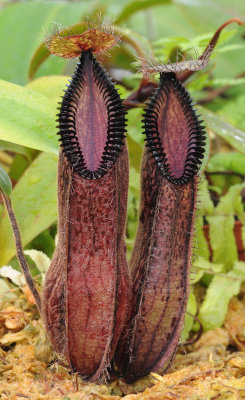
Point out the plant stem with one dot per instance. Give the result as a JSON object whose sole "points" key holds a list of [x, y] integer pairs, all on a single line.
{"points": [[185, 75], [197, 336], [19, 251]]}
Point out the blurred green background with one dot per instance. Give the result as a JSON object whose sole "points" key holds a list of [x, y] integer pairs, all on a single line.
{"points": [[24, 24], [29, 144]]}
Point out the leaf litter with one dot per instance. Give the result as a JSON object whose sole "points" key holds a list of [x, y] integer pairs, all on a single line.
{"points": [[211, 368]]}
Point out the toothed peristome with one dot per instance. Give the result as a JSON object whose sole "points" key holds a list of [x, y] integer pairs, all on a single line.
{"points": [[91, 120], [174, 134]]}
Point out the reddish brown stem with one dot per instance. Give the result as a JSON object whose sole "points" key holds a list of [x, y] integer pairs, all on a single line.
{"points": [[185, 75], [197, 336], [20, 252]]}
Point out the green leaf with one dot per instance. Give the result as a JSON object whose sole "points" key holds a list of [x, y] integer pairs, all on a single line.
{"points": [[205, 204], [135, 117], [234, 136], [243, 236], [27, 118], [41, 259], [133, 206], [226, 81], [193, 46], [135, 153], [222, 240], [5, 182], [206, 266], [189, 321], [52, 86], [18, 166], [214, 307], [230, 161], [200, 243], [233, 110], [15, 148], [34, 202], [231, 47], [36, 19], [43, 242], [196, 273], [231, 203], [138, 5]]}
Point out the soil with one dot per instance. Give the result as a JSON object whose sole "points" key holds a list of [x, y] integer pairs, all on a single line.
{"points": [[211, 368]]}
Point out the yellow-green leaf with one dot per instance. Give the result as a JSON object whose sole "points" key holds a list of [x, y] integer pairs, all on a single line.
{"points": [[34, 202], [222, 240], [51, 86], [5, 182], [27, 118], [214, 307]]}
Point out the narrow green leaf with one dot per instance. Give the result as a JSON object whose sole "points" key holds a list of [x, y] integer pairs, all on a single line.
{"points": [[34, 202], [222, 240], [5, 182], [214, 307], [189, 320], [133, 206], [196, 273], [243, 236], [27, 118], [230, 47], [138, 5], [231, 161], [231, 203], [234, 136], [205, 204], [41, 54], [227, 81], [206, 266], [200, 243]]}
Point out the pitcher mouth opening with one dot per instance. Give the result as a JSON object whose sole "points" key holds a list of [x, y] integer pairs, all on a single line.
{"points": [[174, 134], [91, 120]]}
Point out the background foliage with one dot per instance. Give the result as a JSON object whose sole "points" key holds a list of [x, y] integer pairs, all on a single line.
{"points": [[29, 145]]}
